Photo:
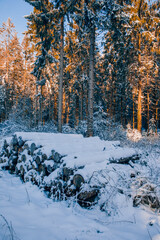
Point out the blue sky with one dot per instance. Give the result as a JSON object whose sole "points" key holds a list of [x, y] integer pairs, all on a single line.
{"points": [[16, 10]]}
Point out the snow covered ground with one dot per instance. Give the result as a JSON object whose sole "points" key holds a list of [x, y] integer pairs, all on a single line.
{"points": [[32, 215]]}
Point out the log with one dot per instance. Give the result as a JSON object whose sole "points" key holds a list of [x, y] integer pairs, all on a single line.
{"points": [[51, 157], [14, 140], [28, 166], [26, 146], [5, 153], [70, 191], [15, 149], [23, 158], [32, 148], [34, 165], [37, 160], [57, 157], [44, 157], [126, 160], [21, 171], [42, 170], [67, 172], [49, 165], [20, 142], [5, 144], [17, 171], [13, 160], [86, 198], [57, 190], [78, 180]]}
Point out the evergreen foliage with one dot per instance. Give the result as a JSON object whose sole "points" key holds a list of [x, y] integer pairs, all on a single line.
{"points": [[91, 60]]}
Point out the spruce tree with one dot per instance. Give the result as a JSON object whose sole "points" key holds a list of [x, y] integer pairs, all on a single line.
{"points": [[7, 32], [43, 19]]}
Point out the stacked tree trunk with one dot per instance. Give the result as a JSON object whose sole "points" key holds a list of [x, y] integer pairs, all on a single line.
{"points": [[48, 172]]}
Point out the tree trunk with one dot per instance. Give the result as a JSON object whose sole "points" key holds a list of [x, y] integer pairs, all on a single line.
{"points": [[157, 100], [24, 86], [91, 82], [7, 82], [81, 104], [60, 93], [133, 111], [68, 106], [50, 107], [139, 111], [147, 104], [64, 107], [41, 107], [156, 115], [36, 107]]}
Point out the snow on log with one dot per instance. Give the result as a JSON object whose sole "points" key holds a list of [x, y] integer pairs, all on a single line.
{"points": [[62, 170], [125, 160]]}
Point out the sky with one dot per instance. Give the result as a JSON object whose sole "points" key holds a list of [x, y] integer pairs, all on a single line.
{"points": [[16, 10]]}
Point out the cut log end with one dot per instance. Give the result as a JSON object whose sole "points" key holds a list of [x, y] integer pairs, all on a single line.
{"points": [[78, 180]]}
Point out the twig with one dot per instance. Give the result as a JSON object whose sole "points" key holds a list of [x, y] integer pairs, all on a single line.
{"points": [[13, 235], [28, 196], [149, 234], [10, 228], [108, 223]]}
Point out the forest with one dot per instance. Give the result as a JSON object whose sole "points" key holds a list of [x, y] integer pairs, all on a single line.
{"points": [[80, 120], [83, 62]]}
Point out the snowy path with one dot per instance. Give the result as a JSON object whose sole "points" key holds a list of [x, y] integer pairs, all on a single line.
{"points": [[33, 216]]}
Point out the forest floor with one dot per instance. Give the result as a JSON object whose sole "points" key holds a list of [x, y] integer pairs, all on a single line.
{"points": [[26, 212]]}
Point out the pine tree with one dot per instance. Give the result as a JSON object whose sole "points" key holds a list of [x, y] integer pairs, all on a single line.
{"points": [[87, 20], [43, 19], [155, 12], [64, 9], [7, 32], [28, 80], [138, 22], [16, 70]]}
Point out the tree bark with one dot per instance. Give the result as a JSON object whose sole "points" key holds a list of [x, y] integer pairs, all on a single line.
{"points": [[60, 93], [36, 106], [133, 111], [81, 103], [148, 98], [139, 111], [156, 116], [91, 82]]}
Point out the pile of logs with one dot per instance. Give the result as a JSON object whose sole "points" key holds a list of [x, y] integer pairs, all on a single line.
{"points": [[31, 164], [50, 173]]}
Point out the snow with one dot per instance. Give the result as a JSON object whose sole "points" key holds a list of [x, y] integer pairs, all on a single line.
{"points": [[32, 215], [88, 153], [79, 151]]}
